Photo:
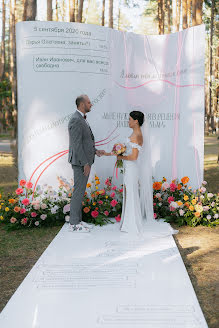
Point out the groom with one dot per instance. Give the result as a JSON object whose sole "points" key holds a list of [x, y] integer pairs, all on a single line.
{"points": [[81, 156]]}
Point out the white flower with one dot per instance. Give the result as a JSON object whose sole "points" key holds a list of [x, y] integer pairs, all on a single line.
{"points": [[37, 223], [158, 195], [204, 182], [160, 204], [216, 216], [181, 212], [54, 209], [43, 216], [205, 208], [202, 197], [67, 218], [66, 208], [43, 206], [212, 204], [208, 217], [210, 195], [174, 204], [36, 207], [203, 189]]}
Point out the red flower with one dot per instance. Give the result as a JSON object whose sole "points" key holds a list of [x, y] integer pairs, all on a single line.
{"points": [[22, 211], [118, 218], [170, 199], [22, 183], [33, 214], [19, 191], [100, 202], [173, 186], [114, 188], [29, 185], [155, 215], [112, 194], [114, 203], [106, 213], [121, 190], [95, 214], [25, 201], [107, 182]]}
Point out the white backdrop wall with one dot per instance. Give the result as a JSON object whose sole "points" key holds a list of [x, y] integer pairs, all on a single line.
{"points": [[161, 75]]}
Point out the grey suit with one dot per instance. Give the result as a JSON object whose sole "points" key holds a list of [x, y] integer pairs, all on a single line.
{"points": [[81, 151]]}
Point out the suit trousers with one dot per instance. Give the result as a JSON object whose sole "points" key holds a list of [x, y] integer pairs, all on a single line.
{"points": [[80, 183]]}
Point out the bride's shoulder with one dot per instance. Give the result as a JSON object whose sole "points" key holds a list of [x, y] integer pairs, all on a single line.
{"points": [[137, 139]]}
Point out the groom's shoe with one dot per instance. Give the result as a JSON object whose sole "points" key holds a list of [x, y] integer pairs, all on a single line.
{"points": [[87, 225], [78, 228]]}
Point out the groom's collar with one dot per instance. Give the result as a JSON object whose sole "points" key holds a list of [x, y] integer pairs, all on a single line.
{"points": [[82, 114]]}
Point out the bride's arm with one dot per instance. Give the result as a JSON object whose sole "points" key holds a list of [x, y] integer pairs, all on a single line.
{"points": [[132, 157]]}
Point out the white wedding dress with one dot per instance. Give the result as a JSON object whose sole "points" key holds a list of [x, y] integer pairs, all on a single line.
{"points": [[137, 217]]}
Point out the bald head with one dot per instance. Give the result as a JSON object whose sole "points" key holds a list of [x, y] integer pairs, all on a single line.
{"points": [[83, 103]]}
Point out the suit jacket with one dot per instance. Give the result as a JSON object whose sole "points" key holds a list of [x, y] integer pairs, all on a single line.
{"points": [[81, 141]]}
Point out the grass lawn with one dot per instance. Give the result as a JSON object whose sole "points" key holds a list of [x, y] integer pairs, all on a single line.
{"points": [[199, 246]]}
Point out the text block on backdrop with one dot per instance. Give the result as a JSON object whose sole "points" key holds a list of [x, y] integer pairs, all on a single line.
{"points": [[161, 75]]}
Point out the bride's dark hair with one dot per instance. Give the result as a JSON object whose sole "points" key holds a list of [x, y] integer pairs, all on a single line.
{"points": [[136, 115]]}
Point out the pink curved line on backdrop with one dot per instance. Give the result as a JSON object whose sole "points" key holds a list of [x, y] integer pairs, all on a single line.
{"points": [[45, 170], [105, 143], [158, 80], [107, 137]]}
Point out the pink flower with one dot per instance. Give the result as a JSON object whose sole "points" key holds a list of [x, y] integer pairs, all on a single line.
{"points": [[36, 223], [13, 220], [33, 214], [19, 191], [100, 202], [106, 213], [121, 190], [170, 199], [29, 185], [118, 218], [165, 186], [95, 214], [25, 201], [43, 216], [118, 147], [173, 187], [155, 215], [154, 204], [114, 203], [107, 182], [112, 194], [24, 221], [22, 183], [114, 188], [23, 210], [172, 208], [66, 208]]}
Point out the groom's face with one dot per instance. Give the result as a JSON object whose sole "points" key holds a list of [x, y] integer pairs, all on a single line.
{"points": [[87, 105]]}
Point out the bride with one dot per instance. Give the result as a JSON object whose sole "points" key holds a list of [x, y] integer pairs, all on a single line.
{"points": [[137, 209]]}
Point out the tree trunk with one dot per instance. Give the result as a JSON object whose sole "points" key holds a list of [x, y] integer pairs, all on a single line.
{"points": [[49, 10], [210, 65], [168, 16], [184, 13], [103, 13], [178, 14], [199, 12], [30, 9], [159, 8], [57, 11], [72, 10], [2, 66], [189, 10], [80, 11], [111, 13], [13, 75], [162, 15], [194, 12], [174, 15]]}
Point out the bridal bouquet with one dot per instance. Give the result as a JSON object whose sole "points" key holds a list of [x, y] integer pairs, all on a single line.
{"points": [[119, 149]]}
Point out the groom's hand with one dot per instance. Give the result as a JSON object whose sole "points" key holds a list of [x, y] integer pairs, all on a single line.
{"points": [[86, 170], [100, 153]]}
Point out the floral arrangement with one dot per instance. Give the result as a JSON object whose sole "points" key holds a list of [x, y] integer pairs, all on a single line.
{"points": [[119, 149], [173, 202], [50, 207], [177, 202]]}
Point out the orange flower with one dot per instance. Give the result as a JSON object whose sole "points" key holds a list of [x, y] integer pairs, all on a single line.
{"points": [[96, 208], [85, 194], [197, 214], [191, 208], [97, 193], [88, 185], [97, 178], [187, 204], [92, 195], [88, 200], [86, 210], [157, 185], [179, 186], [185, 180], [17, 209], [193, 202], [69, 195], [12, 201], [164, 179], [97, 182]]}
